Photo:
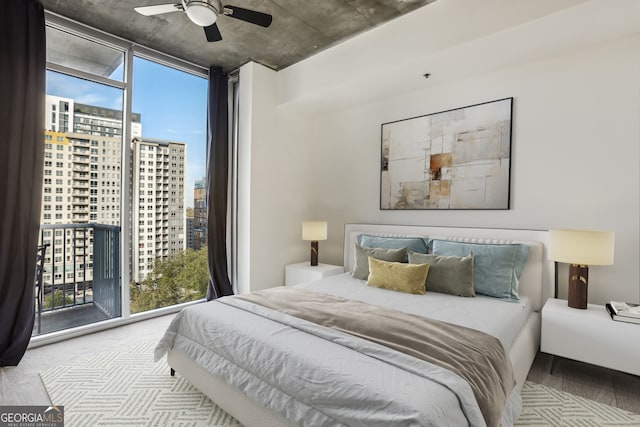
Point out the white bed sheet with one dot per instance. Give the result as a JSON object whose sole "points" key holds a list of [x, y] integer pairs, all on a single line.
{"points": [[502, 319]]}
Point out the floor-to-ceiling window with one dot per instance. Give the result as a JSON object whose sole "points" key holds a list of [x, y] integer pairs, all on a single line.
{"points": [[124, 147]]}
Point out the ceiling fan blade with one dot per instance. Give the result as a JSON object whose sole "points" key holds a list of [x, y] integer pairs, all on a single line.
{"points": [[213, 33], [158, 9], [258, 18]]}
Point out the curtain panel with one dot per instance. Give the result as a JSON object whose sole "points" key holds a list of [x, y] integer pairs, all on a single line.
{"points": [[22, 96], [217, 183]]}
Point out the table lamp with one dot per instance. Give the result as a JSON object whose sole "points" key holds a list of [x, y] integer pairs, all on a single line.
{"points": [[314, 231], [580, 248]]}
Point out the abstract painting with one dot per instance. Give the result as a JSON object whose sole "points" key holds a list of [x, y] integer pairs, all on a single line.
{"points": [[455, 159]]}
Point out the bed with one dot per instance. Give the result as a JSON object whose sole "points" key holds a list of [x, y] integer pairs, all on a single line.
{"points": [[240, 358]]}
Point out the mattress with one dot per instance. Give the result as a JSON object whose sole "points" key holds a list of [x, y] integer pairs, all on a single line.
{"points": [[319, 382]]}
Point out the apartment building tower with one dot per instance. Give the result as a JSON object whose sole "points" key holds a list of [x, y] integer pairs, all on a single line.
{"points": [[199, 214], [158, 217], [81, 183], [66, 115]]}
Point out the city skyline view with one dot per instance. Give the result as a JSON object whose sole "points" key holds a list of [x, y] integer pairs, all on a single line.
{"points": [[171, 104]]}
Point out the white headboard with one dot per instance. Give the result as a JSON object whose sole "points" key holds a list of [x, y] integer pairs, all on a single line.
{"points": [[537, 280]]}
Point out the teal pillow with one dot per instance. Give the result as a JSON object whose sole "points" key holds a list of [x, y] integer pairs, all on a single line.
{"points": [[496, 268], [447, 274], [361, 266], [416, 244]]}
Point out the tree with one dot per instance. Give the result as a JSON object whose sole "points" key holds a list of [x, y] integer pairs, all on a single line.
{"points": [[180, 278], [57, 301]]}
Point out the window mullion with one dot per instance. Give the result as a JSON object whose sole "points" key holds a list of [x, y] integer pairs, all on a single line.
{"points": [[125, 199]]}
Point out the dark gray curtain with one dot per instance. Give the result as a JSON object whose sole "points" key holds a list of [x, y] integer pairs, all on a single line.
{"points": [[22, 91], [217, 183]]}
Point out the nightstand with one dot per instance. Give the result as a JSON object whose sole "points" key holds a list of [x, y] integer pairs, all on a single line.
{"points": [[590, 336], [304, 272]]}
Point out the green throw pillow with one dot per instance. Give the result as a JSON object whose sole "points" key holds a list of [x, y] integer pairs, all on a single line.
{"points": [[447, 274], [397, 276], [361, 267]]}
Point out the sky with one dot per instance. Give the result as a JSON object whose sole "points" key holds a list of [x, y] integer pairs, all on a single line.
{"points": [[172, 105]]}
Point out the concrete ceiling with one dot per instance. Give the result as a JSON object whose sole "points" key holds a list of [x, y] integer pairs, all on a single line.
{"points": [[299, 30]]}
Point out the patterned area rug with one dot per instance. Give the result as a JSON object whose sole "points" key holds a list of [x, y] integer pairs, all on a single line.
{"points": [[547, 407], [126, 388]]}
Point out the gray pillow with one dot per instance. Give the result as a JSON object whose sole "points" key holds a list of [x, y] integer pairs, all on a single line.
{"points": [[361, 267], [447, 274]]}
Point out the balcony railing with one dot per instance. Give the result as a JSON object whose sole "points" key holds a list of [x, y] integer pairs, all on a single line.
{"points": [[81, 277]]}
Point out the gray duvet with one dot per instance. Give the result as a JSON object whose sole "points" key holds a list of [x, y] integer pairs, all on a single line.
{"points": [[322, 376], [474, 356]]}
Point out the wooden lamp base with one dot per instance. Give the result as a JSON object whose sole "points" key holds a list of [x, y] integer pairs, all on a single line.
{"points": [[578, 291], [314, 252]]}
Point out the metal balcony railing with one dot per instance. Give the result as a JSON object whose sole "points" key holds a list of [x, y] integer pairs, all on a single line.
{"points": [[81, 276]]}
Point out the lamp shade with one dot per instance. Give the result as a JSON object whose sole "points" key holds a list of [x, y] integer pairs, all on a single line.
{"points": [[314, 230], [583, 247]]}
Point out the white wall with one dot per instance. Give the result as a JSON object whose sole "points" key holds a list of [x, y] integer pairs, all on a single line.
{"points": [[273, 182], [575, 77], [575, 155]]}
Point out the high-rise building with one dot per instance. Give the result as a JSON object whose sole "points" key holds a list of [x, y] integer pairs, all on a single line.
{"points": [[158, 220], [65, 115], [82, 184], [200, 214]]}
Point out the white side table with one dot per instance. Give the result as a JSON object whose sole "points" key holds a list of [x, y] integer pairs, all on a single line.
{"points": [[304, 272], [590, 336]]}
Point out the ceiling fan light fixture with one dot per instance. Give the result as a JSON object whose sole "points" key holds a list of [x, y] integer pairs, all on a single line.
{"points": [[200, 12]]}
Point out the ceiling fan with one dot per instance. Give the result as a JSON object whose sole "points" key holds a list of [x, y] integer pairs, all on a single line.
{"points": [[205, 13]]}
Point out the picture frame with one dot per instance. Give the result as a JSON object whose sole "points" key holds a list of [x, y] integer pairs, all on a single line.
{"points": [[453, 159]]}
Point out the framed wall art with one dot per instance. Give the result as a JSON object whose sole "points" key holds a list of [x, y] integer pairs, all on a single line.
{"points": [[455, 159]]}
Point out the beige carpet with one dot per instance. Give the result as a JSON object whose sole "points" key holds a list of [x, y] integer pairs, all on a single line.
{"points": [[125, 387]]}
